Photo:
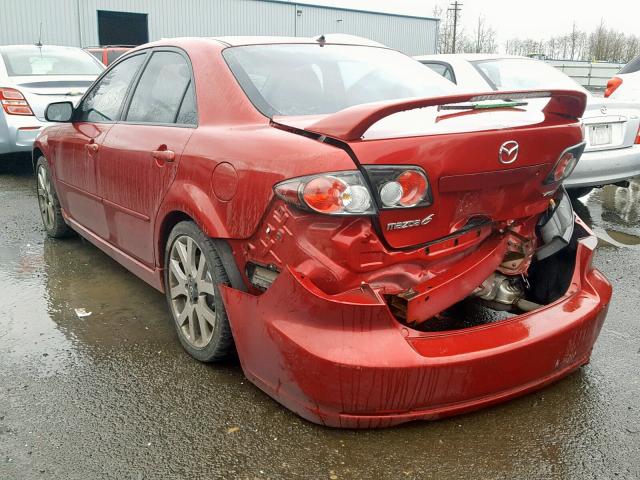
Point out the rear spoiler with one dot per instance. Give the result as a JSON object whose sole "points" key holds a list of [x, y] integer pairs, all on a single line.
{"points": [[352, 123]]}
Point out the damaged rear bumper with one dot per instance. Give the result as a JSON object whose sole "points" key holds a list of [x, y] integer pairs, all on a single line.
{"points": [[345, 361]]}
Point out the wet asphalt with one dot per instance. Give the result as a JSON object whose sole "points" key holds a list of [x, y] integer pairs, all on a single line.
{"points": [[113, 395]]}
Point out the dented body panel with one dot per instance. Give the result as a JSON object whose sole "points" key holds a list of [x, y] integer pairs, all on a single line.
{"points": [[334, 323], [344, 361]]}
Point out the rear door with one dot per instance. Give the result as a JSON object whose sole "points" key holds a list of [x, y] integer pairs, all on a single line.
{"points": [[76, 146], [140, 155]]}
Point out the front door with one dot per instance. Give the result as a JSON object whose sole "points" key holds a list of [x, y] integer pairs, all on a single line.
{"points": [[140, 155], [76, 145]]}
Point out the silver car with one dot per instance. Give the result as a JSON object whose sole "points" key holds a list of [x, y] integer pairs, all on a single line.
{"points": [[612, 131], [32, 77]]}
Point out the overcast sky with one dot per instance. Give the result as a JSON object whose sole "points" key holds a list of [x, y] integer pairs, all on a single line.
{"points": [[517, 18]]}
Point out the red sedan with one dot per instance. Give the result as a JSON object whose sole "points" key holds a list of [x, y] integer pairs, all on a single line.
{"points": [[377, 247]]}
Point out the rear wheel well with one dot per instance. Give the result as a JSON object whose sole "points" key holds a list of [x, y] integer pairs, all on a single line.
{"points": [[37, 153], [222, 246], [170, 221]]}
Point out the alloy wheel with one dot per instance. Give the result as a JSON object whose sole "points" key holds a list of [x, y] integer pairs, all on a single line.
{"points": [[45, 198], [191, 291]]}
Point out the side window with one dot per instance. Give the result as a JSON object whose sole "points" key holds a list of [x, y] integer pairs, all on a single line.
{"points": [[112, 55], [188, 112], [162, 87], [443, 70], [96, 53], [103, 102]]}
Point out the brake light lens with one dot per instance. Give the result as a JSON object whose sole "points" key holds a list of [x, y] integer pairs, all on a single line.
{"points": [[638, 137], [612, 86], [400, 186], [14, 103], [339, 193], [565, 164], [347, 193]]}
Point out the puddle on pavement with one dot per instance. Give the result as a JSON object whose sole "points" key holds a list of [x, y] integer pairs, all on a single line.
{"points": [[613, 213]]}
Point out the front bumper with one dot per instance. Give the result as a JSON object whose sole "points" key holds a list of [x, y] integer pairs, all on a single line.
{"points": [[605, 167], [345, 361], [18, 132]]}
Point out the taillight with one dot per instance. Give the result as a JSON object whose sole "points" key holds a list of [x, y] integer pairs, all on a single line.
{"points": [[400, 186], [13, 102], [339, 193], [638, 137], [565, 164], [612, 86], [346, 193]]}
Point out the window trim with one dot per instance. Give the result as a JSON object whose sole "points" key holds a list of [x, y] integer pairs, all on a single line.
{"points": [[76, 110], [445, 65], [136, 82]]}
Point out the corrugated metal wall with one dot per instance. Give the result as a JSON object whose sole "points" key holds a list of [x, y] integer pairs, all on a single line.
{"points": [[74, 22]]}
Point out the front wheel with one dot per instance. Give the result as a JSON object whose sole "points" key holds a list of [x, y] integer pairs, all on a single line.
{"points": [[50, 210], [193, 271]]}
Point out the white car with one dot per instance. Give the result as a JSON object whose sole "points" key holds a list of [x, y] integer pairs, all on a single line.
{"points": [[625, 86], [612, 129], [32, 77]]}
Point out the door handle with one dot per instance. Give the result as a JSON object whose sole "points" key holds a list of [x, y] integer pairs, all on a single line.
{"points": [[92, 147], [164, 155]]}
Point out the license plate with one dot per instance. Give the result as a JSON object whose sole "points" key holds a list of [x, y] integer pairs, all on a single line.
{"points": [[600, 135]]}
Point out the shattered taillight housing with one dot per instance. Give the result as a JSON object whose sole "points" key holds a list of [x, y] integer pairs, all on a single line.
{"points": [[348, 192], [565, 164]]}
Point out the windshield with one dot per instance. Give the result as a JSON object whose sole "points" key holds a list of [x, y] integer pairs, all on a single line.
{"points": [[313, 79], [33, 61], [524, 74]]}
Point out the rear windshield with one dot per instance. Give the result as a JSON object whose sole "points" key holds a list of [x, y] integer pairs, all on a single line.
{"points": [[632, 66], [313, 79], [33, 61], [523, 74]]}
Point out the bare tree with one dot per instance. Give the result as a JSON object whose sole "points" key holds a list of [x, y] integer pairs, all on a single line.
{"points": [[602, 44], [484, 38]]}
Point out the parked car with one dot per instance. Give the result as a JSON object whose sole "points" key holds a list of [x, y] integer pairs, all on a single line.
{"points": [[378, 246], [625, 86], [109, 53], [33, 76], [612, 129]]}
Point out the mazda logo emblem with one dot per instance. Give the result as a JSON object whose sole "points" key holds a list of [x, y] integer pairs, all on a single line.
{"points": [[508, 152]]}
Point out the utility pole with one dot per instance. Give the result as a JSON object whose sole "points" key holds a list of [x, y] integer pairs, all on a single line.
{"points": [[573, 41], [455, 7]]}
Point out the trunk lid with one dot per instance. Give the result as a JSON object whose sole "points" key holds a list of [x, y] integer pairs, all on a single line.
{"points": [[610, 124], [40, 91], [460, 152]]}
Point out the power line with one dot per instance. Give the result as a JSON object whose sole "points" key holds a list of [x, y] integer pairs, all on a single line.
{"points": [[455, 7]]}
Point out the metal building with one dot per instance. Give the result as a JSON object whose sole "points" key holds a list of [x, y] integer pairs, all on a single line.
{"points": [[102, 22]]}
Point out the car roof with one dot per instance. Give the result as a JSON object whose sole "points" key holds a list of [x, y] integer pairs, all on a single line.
{"points": [[330, 38], [233, 41]]}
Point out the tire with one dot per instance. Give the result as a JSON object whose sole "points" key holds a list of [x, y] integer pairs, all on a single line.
{"points": [[579, 192], [193, 296], [48, 202]]}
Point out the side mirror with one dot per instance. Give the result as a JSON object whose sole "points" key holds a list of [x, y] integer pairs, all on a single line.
{"points": [[59, 112]]}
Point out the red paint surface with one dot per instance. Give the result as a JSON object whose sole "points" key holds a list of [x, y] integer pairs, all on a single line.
{"points": [[321, 339], [345, 361]]}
